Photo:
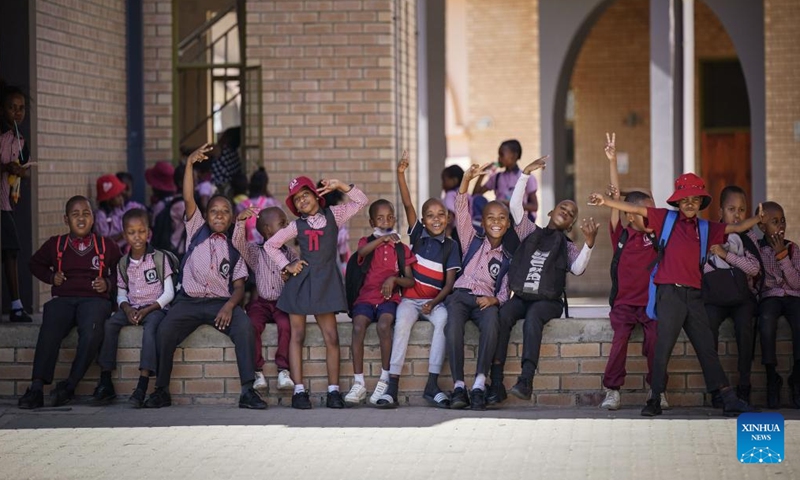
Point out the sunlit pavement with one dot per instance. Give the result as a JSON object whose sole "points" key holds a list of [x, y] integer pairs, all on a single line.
{"points": [[225, 442]]}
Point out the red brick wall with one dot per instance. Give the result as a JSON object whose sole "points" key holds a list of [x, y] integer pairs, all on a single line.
{"points": [[158, 72], [782, 52], [80, 103]]}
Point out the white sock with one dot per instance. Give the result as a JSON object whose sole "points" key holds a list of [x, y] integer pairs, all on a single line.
{"points": [[459, 384], [333, 388], [384, 375], [480, 382], [16, 304], [359, 378], [299, 388]]}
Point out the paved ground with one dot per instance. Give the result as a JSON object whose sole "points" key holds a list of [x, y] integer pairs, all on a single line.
{"points": [[409, 443]]}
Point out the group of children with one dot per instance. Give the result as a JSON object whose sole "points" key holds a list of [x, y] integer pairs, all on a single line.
{"points": [[506, 269]]}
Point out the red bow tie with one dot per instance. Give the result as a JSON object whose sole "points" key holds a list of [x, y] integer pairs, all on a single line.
{"points": [[81, 244]]}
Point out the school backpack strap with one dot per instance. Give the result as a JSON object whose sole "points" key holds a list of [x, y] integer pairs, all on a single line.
{"points": [[100, 250], [623, 238], [122, 267], [355, 273], [751, 247], [473, 248], [401, 258], [666, 231], [60, 250], [703, 228], [203, 234]]}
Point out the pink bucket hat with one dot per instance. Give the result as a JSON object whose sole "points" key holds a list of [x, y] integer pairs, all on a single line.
{"points": [[108, 187], [294, 188], [160, 177]]}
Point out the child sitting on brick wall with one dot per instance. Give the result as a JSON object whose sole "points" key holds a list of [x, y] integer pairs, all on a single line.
{"points": [[79, 266], [438, 262], [537, 277], [144, 290], [376, 302], [780, 296], [212, 277], [262, 308], [315, 286]]}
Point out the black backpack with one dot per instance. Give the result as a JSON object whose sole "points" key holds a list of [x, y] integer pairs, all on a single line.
{"points": [[162, 227], [355, 274], [540, 265]]}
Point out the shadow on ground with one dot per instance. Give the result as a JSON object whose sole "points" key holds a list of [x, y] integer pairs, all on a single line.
{"points": [[122, 416]]}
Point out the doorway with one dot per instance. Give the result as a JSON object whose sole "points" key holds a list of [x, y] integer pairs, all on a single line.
{"points": [[724, 130]]}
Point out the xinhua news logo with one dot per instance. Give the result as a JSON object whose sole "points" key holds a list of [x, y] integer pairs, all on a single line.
{"points": [[760, 438]]}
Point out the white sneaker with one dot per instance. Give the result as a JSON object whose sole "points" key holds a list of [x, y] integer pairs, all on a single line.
{"points": [[260, 385], [611, 401], [285, 380], [356, 396], [380, 389], [664, 404]]}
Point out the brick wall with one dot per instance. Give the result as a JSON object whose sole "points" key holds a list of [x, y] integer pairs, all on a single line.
{"points": [[80, 104], [611, 80], [503, 53], [333, 80], [783, 107], [158, 71], [573, 357]]}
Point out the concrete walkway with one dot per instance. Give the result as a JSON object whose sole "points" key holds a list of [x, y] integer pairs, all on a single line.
{"points": [[410, 443]]}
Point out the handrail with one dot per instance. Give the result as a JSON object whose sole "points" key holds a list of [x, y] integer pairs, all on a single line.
{"points": [[208, 117], [196, 33]]}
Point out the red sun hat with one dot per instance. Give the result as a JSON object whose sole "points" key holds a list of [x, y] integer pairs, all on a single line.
{"points": [[160, 177], [108, 187], [690, 185], [295, 186]]}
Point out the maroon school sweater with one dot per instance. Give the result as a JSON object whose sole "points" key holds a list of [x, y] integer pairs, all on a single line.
{"points": [[80, 268]]}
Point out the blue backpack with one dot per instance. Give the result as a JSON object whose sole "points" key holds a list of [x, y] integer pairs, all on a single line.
{"points": [[666, 231]]}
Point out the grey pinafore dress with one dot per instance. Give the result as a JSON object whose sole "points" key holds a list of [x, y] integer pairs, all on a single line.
{"points": [[319, 288]]}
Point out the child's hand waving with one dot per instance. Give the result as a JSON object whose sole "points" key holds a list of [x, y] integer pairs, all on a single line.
{"points": [[199, 155], [331, 184], [613, 191], [611, 146], [596, 200], [475, 170], [589, 229], [402, 166], [537, 164]]}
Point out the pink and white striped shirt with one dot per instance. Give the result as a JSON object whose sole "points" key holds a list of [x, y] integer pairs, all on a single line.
{"points": [[342, 213], [268, 276], [9, 152], [781, 277], [143, 287], [206, 272]]}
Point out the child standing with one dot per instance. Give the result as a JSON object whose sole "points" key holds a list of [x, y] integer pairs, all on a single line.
{"points": [[79, 267], [546, 254], [678, 280], [502, 183], [263, 308], [258, 200], [634, 251], [728, 277], [315, 286], [479, 292], [14, 160], [168, 207], [127, 194], [111, 208], [378, 298], [212, 278], [780, 296], [145, 289], [434, 273]]}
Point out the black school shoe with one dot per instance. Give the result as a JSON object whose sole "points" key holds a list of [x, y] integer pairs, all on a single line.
{"points": [[523, 389], [774, 392], [743, 392], [334, 400], [158, 399], [716, 400], [477, 399], [31, 400], [459, 399], [736, 406], [62, 395], [103, 395], [795, 387], [496, 394], [250, 399], [137, 398], [300, 401], [652, 408], [19, 316]]}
